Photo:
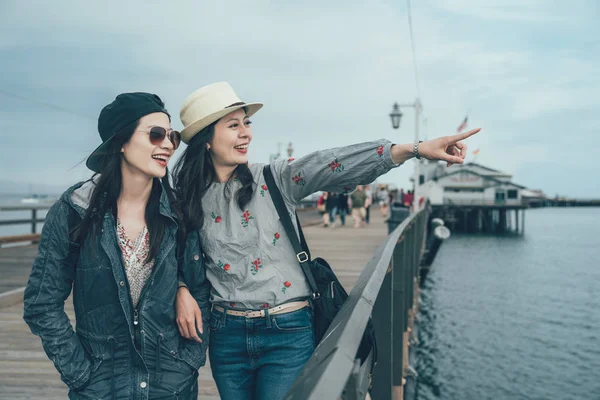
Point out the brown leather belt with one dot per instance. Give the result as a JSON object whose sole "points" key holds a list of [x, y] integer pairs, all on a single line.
{"points": [[281, 309]]}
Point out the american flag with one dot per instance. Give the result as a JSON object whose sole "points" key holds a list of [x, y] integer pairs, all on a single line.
{"points": [[462, 126]]}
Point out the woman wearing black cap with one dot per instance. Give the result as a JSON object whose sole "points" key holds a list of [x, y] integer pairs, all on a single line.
{"points": [[112, 239]]}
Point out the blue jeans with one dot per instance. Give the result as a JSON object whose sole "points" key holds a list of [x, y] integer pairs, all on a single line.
{"points": [[332, 214], [259, 358], [343, 216]]}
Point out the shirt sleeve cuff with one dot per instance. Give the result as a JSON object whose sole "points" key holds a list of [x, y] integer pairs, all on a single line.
{"points": [[387, 155]]}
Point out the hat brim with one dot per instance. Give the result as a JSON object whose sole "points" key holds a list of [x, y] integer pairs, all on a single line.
{"points": [[94, 161], [191, 130]]}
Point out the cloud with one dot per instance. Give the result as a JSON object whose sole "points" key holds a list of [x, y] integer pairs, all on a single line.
{"points": [[328, 74]]}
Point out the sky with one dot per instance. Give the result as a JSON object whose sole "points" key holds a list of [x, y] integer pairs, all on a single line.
{"points": [[525, 71]]}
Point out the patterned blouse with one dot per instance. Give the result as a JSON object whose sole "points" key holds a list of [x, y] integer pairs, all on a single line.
{"points": [[250, 262], [134, 255]]}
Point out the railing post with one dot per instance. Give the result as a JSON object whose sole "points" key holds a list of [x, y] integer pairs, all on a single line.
{"points": [[33, 220], [398, 319], [408, 272], [383, 316]]}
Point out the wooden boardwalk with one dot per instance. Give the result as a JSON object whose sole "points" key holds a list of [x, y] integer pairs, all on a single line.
{"points": [[26, 372]]}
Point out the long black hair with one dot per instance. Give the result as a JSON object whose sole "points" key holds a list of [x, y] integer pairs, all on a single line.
{"points": [[107, 189], [195, 172]]}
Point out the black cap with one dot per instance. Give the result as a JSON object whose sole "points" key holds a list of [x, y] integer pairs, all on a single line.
{"points": [[126, 109]]}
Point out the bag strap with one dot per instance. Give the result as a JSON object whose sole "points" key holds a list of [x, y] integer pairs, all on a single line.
{"points": [[302, 239], [302, 255], [73, 219]]}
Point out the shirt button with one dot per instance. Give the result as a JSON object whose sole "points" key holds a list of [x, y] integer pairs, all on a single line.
{"points": [[143, 385], [142, 332], [122, 283], [196, 257]]}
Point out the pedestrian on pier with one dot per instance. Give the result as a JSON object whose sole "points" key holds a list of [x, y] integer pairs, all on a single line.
{"points": [[400, 197], [261, 324], [383, 196], [331, 206], [342, 207], [368, 203], [358, 199], [112, 241], [322, 208]]}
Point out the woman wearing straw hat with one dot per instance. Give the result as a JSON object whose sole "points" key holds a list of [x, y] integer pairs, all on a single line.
{"points": [[261, 322], [112, 240]]}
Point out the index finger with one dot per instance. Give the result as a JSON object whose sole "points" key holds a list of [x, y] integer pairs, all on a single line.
{"points": [[463, 136]]}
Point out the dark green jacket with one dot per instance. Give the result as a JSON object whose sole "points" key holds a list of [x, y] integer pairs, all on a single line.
{"points": [[116, 351]]}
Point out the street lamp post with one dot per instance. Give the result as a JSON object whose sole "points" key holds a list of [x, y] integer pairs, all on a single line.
{"points": [[396, 116]]}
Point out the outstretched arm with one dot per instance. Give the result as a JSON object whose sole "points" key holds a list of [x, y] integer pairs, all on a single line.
{"points": [[341, 169]]}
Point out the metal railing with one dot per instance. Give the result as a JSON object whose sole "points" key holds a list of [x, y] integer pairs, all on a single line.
{"points": [[34, 220], [385, 290], [33, 236]]}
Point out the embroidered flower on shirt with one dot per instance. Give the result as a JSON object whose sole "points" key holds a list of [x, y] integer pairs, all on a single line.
{"points": [[256, 264], [276, 237], [380, 151], [336, 166], [263, 189], [285, 286], [265, 305], [246, 217], [223, 266], [232, 304], [216, 218], [291, 159], [299, 179]]}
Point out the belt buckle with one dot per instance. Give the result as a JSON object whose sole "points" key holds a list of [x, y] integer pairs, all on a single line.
{"points": [[247, 313]]}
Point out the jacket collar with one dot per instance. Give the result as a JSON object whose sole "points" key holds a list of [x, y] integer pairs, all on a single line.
{"points": [[79, 195]]}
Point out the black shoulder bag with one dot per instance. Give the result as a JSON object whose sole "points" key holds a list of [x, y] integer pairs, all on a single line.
{"points": [[328, 294]]}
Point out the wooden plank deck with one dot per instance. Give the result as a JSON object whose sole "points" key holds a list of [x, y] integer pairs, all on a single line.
{"points": [[26, 372]]}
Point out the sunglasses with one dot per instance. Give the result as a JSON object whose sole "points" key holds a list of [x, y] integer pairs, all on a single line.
{"points": [[158, 134]]}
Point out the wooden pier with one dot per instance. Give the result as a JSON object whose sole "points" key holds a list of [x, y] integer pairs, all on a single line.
{"points": [[26, 372]]}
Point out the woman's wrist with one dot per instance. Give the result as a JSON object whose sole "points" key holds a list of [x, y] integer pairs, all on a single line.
{"points": [[402, 152]]}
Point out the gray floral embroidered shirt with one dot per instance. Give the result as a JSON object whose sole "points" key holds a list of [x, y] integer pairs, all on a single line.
{"points": [[249, 259]]}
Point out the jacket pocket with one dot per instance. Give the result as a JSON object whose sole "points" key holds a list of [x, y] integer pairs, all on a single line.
{"points": [[187, 351], [100, 349], [172, 367]]}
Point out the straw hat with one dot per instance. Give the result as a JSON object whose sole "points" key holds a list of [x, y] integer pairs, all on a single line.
{"points": [[209, 104]]}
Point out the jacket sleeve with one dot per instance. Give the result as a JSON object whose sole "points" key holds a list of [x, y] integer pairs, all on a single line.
{"points": [[49, 286], [334, 170], [193, 274]]}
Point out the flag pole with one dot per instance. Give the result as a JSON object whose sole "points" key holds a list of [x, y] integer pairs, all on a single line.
{"points": [[418, 162]]}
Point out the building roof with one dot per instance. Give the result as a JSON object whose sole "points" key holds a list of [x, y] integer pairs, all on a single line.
{"points": [[493, 172], [487, 177]]}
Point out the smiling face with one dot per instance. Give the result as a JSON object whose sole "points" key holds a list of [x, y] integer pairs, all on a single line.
{"points": [[140, 155], [230, 142]]}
